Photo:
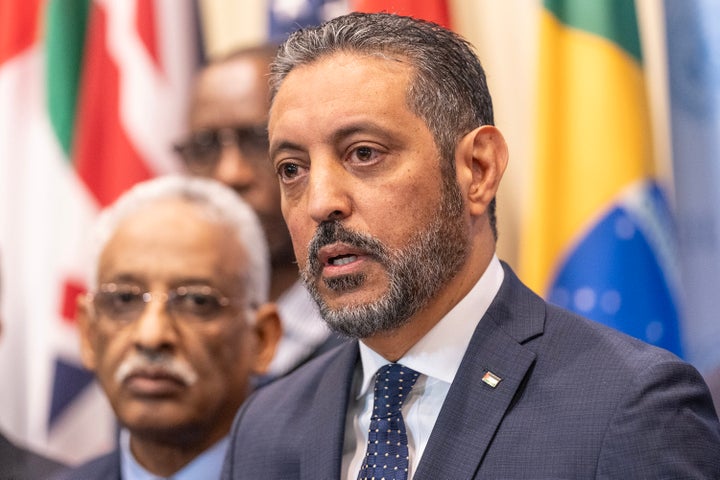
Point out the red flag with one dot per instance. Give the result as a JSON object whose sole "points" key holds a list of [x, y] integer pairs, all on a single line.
{"points": [[103, 155], [18, 25], [432, 10]]}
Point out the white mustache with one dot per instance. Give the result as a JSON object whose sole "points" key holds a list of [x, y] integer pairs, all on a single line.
{"points": [[138, 363]]}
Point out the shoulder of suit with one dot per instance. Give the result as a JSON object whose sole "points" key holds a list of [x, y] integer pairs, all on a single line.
{"points": [[104, 467]]}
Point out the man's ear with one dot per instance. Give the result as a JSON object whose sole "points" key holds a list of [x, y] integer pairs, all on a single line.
{"points": [[268, 331], [481, 159], [85, 328]]}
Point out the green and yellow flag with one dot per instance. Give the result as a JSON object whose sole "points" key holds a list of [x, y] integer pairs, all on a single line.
{"points": [[598, 238]]}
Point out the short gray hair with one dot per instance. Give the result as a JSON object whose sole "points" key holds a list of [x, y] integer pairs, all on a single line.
{"points": [[217, 201]]}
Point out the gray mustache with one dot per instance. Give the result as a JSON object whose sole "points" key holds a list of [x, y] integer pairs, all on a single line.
{"points": [[137, 363]]}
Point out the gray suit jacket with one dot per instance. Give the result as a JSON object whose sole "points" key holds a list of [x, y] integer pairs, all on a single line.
{"points": [[20, 464], [577, 400], [105, 467]]}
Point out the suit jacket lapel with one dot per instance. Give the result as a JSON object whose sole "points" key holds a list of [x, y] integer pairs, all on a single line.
{"points": [[473, 409], [322, 456]]}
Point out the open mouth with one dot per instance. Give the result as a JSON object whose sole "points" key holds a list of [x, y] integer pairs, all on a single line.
{"points": [[342, 260]]}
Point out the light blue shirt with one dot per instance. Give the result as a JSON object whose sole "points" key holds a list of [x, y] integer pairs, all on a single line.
{"points": [[206, 466]]}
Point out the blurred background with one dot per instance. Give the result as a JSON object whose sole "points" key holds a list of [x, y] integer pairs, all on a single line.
{"points": [[610, 205]]}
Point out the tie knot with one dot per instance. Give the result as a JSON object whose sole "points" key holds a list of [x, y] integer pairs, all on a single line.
{"points": [[393, 383]]}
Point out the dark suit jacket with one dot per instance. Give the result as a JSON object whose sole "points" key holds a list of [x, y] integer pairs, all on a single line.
{"points": [[19, 464], [106, 467], [577, 400]]}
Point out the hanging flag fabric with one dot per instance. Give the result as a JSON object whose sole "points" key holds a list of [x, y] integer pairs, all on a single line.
{"points": [[284, 17], [599, 233], [93, 94], [693, 51], [433, 10]]}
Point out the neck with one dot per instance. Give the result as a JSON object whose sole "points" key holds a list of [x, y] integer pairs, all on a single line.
{"points": [[394, 344]]}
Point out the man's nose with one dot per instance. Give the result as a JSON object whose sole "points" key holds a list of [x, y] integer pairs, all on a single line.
{"points": [[327, 195], [154, 329]]}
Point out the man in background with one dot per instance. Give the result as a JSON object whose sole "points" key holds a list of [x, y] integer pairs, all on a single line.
{"points": [[174, 325], [228, 142], [17, 463]]}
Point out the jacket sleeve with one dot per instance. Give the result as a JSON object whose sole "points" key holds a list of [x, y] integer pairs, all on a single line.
{"points": [[664, 427]]}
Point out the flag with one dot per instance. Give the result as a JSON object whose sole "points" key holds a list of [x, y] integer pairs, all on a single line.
{"points": [[433, 10], [229, 26], [693, 44], [599, 234], [93, 94], [284, 17]]}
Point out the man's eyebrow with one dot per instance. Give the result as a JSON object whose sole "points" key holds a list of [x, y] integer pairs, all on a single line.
{"points": [[276, 147], [354, 128], [125, 277]]}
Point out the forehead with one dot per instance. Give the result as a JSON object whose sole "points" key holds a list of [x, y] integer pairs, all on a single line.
{"points": [[341, 85], [232, 92], [171, 239]]}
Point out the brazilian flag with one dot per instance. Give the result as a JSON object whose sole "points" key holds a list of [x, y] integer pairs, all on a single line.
{"points": [[599, 235]]}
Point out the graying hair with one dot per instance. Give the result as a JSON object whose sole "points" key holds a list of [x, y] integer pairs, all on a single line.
{"points": [[448, 89], [217, 202]]}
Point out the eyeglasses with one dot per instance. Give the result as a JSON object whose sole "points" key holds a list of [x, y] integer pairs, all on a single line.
{"points": [[201, 150], [122, 303]]}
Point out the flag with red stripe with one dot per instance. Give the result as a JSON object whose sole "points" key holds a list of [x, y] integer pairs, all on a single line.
{"points": [[93, 94], [433, 10]]}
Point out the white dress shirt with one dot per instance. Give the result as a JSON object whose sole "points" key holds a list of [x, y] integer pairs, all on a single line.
{"points": [[436, 357]]}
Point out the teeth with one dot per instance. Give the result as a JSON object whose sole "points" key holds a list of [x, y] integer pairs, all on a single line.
{"points": [[343, 260]]}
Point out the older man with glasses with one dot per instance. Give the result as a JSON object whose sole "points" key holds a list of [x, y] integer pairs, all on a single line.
{"points": [[174, 325]]}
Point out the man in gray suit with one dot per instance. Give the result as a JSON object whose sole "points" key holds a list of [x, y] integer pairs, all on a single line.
{"points": [[381, 133]]}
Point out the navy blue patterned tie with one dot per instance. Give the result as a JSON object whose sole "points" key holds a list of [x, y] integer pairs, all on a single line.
{"points": [[387, 449]]}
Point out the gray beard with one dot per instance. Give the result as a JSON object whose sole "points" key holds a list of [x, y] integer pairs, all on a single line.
{"points": [[416, 272]]}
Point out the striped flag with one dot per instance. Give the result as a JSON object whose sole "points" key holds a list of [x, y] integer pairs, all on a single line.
{"points": [[599, 233], [93, 93], [693, 43]]}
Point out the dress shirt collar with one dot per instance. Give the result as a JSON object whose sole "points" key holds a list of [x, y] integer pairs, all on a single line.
{"points": [[207, 465], [439, 353]]}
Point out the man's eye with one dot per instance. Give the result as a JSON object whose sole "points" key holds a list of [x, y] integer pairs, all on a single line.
{"points": [[118, 303], [288, 171], [126, 298], [364, 154], [197, 303]]}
